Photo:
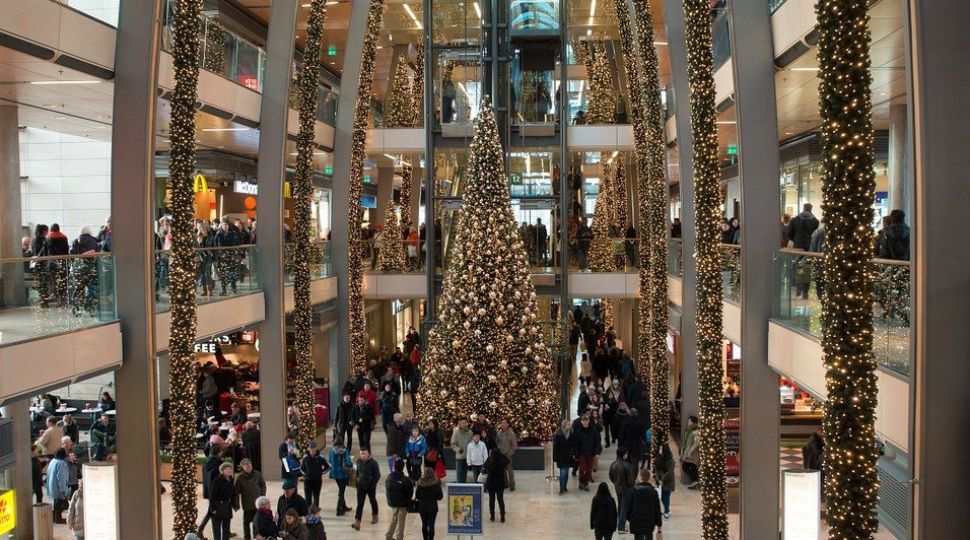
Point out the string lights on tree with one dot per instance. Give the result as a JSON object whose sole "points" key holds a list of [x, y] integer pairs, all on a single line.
{"points": [[399, 112], [653, 229], [186, 50], [602, 97], [601, 246], [487, 352], [307, 81], [407, 174], [707, 208], [358, 153], [848, 189], [391, 257]]}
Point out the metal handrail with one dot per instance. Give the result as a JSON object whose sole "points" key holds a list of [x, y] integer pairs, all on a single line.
{"points": [[57, 257], [213, 248], [875, 260]]}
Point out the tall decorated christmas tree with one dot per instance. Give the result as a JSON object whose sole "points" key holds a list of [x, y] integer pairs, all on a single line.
{"points": [[391, 257], [487, 354], [601, 247], [400, 102]]}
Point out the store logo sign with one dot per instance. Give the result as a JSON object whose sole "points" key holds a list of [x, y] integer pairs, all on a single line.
{"points": [[8, 511], [244, 187]]}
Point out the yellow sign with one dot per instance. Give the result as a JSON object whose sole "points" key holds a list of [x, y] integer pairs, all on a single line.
{"points": [[287, 190], [199, 185], [8, 511]]}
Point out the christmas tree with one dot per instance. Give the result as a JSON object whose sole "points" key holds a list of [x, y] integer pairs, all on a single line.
{"points": [[601, 248], [391, 257], [602, 97], [487, 353], [399, 111]]}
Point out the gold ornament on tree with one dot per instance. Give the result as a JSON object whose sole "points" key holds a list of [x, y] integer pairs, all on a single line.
{"points": [[391, 257]]}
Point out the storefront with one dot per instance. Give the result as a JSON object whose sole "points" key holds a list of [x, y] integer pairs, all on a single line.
{"points": [[801, 414]]}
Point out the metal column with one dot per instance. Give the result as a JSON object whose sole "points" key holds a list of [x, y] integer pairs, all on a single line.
{"points": [[754, 88], [676, 37], [132, 241], [565, 205], [431, 236], [11, 215], [274, 110], [343, 134], [21, 473], [942, 289]]}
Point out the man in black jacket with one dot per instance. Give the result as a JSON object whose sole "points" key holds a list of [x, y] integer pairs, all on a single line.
{"points": [[645, 512], [210, 471], [586, 439], [633, 435], [364, 421], [290, 499], [400, 488], [623, 474], [344, 420], [368, 474], [396, 440], [313, 466], [800, 228]]}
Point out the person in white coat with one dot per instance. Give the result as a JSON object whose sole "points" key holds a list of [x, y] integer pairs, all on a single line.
{"points": [[476, 455]]}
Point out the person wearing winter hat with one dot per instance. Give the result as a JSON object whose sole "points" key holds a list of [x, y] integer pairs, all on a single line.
{"points": [[289, 499]]}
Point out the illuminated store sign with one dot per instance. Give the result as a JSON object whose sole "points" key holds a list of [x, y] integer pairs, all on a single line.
{"points": [[245, 187]]}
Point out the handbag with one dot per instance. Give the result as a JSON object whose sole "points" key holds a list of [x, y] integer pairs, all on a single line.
{"points": [[432, 456], [439, 469], [413, 506]]}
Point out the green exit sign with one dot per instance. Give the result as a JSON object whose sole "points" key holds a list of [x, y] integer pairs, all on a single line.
{"points": [[367, 179], [515, 178], [732, 149], [331, 50], [328, 170]]}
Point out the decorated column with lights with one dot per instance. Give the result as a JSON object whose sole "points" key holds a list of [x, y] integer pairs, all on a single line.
{"points": [[707, 201], [653, 230], [487, 353], [391, 257], [602, 98], [601, 246], [399, 110], [186, 50], [407, 178], [358, 152], [306, 81], [848, 189]]}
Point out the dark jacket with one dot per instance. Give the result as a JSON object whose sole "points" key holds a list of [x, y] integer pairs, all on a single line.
{"points": [[295, 502], [400, 488], [800, 230], [210, 471], [314, 467], [894, 243], [602, 514], [586, 441], [582, 404], [665, 470], [495, 467], [316, 531], [428, 495], [264, 525], [249, 487], [368, 474], [632, 437], [298, 532], [84, 244], [396, 439], [644, 510], [623, 474], [364, 416], [562, 450], [56, 244], [222, 498], [344, 416]]}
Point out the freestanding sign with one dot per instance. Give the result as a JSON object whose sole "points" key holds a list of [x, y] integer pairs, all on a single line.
{"points": [[466, 505], [802, 509], [100, 501], [8, 511]]}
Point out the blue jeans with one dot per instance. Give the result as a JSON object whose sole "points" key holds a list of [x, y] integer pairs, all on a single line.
{"points": [[390, 463], [665, 499], [563, 478], [624, 509], [461, 470]]}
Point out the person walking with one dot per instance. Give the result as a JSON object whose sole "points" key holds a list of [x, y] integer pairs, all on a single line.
{"points": [[602, 513], [250, 486], [801, 227], [644, 508], [415, 450], [396, 441], [587, 446], [476, 454], [210, 471], [313, 466], [428, 492], [623, 474], [399, 489], [388, 404], [563, 453], [460, 438], [223, 499], [690, 455], [57, 484], [75, 514], [666, 477], [507, 443], [344, 421], [368, 475], [289, 463], [495, 482], [341, 467]]}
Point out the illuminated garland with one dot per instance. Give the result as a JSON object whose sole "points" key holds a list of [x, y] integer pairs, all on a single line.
{"points": [[707, 202], [400, 100], [358, 153], [391, 257], [653, 231], [619, 195], [306, 83], [848, 189], [601, 246], [487, 351], [602, 98], [417, 88], [608, 311], [186, 52], [406, 181]]}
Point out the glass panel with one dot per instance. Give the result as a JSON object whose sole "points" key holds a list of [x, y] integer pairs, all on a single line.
{"points": [[105, 11], [675, 257], [220, 272], [321, 261], [731, 272], [49, 295]]}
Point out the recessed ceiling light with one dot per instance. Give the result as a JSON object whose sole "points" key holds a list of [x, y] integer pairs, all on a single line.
{"points": [[726, 122], [804, 69], [41, 83], [659, 42], [478, 10], [413, 16], [50, 105], [59, 118], [226, 129]]}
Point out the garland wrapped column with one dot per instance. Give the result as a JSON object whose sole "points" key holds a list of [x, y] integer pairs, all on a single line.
{"points": [[358, 152], [400, 101], [407, 174], [182, 261], [391, 257], [653, 230], [307, 81], [707, 201], [601, 247], [848, 188]]}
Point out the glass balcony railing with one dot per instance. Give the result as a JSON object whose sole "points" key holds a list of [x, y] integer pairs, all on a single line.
{"points": [[321, 261], [722, 40], [773, 5], [797, 303], [623, 253], [220, 272], [675, 257], [731, 272], [49, 295], [412, 253], [106, 12]]}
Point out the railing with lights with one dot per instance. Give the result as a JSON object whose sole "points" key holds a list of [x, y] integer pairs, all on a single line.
{"points": [[220, 272], [321, 261], [49, 295], [797, 303], [731, 272]]}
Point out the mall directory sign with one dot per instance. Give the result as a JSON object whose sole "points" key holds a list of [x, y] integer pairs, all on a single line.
{"points": [[466, 509], [802, 506]]}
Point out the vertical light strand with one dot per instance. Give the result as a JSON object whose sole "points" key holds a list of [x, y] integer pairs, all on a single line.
{"points": [[391, 257], [653, 232], [307, 82], [407, 174], [487, 352], [399, 110], [186, 51], [707, 202], [358, 152], [417, 87], [848, 189], [600, 247]]}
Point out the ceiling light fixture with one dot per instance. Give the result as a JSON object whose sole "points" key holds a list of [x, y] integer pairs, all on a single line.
{"points": [[87, 81], [226, 129], [660, 43], [803, 69], [592, 12], [413, 16], [59, 118], [478, 10], [726, 122]]}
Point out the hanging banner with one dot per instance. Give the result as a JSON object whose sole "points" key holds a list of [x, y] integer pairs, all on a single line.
{"points": [[101, 501], [802, 507], [466, 509]]}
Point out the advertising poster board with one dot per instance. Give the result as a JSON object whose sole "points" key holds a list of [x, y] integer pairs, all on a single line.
{"points": [[101, 501], [802, 507], [466, 505]]}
